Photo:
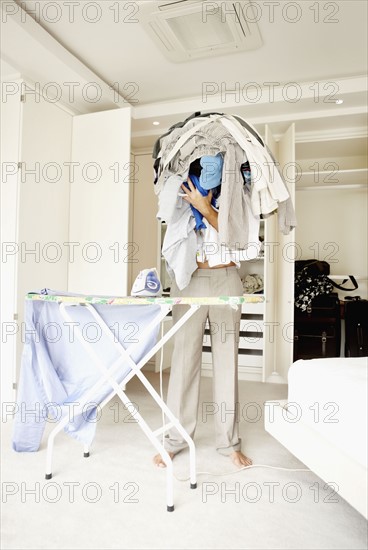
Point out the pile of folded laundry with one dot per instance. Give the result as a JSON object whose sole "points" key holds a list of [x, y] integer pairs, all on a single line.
{"points": [[252, 283], [226, 155]]}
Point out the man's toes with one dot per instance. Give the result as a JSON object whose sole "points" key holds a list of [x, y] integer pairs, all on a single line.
{"points": [[157, 460], [241, 460], [245, 461]]}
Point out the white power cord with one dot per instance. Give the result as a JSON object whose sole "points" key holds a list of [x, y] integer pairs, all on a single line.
{"points": [[246, 468], [213, 473]]}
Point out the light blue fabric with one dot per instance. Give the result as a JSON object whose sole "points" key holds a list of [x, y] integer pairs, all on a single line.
{"points": [[168, 198], [180, 246], [211, 173], [56, 369]]}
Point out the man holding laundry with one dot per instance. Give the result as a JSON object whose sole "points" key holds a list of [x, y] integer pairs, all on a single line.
{"points": [[216, 275]]}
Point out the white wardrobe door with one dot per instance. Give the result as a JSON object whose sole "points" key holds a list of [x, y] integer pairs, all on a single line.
{"points": [[99, 204], [43, 212], [10, 107], [285, 264], [270, 286], [44, 196], [279, 272]]}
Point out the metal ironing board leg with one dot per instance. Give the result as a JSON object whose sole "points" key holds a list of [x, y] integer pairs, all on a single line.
{"points": [[125, 355], [136, 370], [90, 394]]}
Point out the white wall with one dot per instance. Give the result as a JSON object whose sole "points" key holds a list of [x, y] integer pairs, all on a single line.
{"points": [[145, 208], [332, 226]]}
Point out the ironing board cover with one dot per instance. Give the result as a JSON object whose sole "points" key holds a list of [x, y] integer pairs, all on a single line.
{"points": [[129, 300]]}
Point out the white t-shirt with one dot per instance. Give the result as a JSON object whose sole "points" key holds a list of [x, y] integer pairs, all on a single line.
{"points": [[210, 249]]}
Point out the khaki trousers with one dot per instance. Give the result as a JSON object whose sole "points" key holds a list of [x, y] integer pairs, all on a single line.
{"points": [[185, 376]]}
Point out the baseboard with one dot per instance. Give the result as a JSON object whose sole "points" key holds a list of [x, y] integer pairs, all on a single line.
{"points": [[252, 374]]}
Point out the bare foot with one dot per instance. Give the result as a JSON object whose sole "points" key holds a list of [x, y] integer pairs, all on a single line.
{"points": [[158, 460], [240, 459]]}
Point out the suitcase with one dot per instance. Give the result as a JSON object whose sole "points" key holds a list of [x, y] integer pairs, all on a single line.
{"points": [[317, 332], [356, 328]]}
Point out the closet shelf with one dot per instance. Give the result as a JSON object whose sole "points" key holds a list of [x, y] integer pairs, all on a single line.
{"points": [[336, 187], [334, 179]]}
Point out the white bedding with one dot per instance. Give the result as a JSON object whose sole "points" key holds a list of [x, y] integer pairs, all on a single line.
{"points": [[331, 397]]}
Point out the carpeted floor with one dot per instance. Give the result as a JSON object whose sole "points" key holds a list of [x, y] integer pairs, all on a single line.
{"points": [[116, 498]]}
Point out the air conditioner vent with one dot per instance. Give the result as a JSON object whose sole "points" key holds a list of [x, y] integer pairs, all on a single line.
{"points": [[170, 5], [191, 29]]}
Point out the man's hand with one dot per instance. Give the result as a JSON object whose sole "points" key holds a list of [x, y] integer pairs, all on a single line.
{"points": [[196, 199], [201, 203]]}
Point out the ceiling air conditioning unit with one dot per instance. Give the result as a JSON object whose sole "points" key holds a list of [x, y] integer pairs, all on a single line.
{"points": [[185, 30]]}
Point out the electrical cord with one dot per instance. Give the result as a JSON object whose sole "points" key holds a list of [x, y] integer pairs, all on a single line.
{"points": [[246, 468], [213, 473]]}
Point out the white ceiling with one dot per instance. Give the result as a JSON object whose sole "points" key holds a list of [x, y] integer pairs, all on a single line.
{"points": [[122, 51], [327, 51]]}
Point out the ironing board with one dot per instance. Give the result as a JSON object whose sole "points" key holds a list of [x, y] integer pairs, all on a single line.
{"points": [[124, 362]]}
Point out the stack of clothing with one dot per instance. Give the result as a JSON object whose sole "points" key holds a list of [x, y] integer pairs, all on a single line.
{"points": [[252, 283], [225, 154]]}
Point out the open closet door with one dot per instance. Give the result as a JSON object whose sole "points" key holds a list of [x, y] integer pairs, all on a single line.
{"points": [[35, 141], [286, 257], [280, 271], [100, 247], [11, 116], [270, 282]]}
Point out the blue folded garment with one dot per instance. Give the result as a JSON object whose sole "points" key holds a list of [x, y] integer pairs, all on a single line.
{"points": [[197, 215]]}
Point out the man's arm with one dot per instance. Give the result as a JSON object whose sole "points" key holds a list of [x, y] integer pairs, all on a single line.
{"points": [[201, 203]]}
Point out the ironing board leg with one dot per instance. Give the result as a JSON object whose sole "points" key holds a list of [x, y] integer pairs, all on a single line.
{"points": [[116, 386], [50, 446], [89, 395], [136, 369], [192, 465], [160, 448]]}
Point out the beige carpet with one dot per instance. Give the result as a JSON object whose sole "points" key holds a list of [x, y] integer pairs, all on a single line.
{"points": [[116, 498]]}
